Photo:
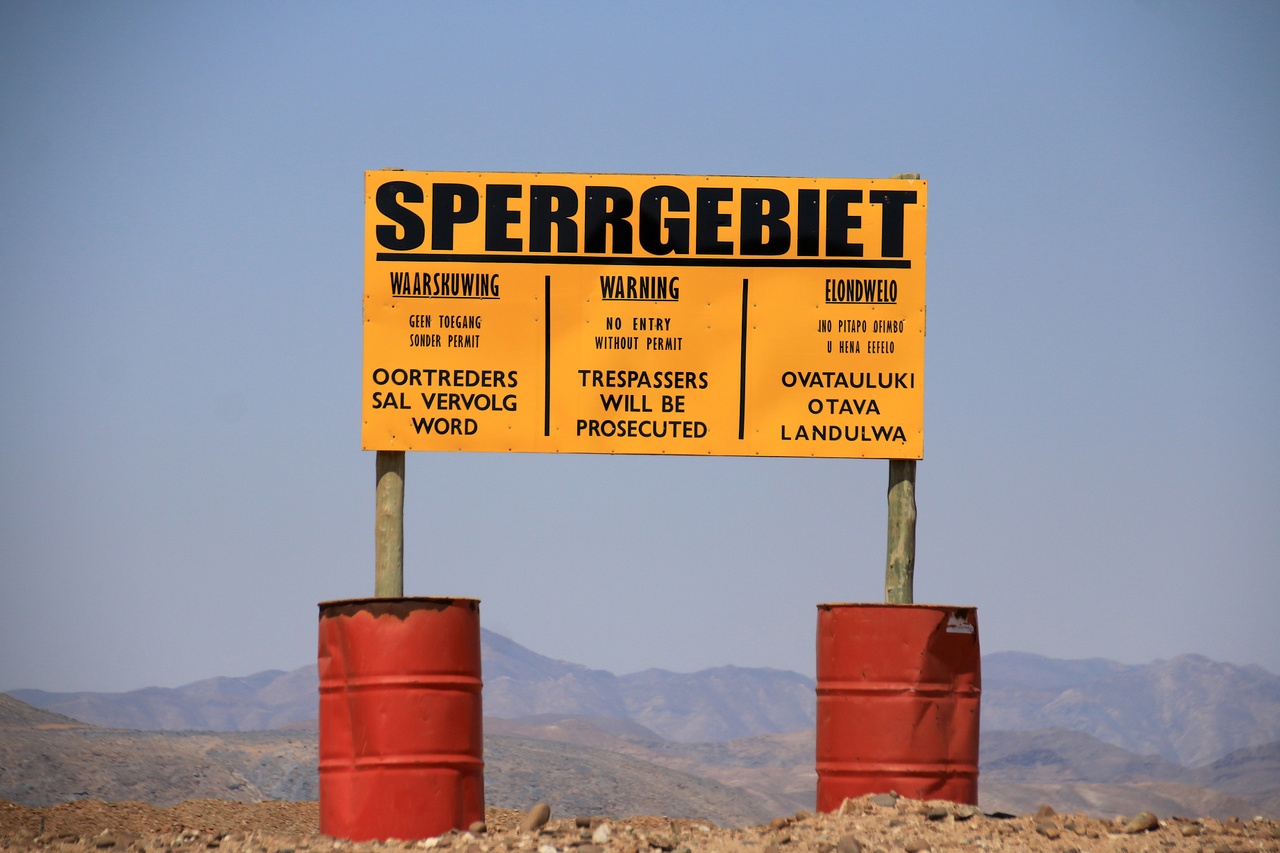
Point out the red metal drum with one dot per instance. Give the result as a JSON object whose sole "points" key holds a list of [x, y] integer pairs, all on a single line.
{"points": [[401, 743], [898, 697]]}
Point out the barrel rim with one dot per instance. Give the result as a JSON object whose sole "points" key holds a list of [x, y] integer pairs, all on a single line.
{"points": [[400, 606], [882, 605]]}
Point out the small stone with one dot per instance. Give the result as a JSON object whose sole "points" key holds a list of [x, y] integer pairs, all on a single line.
{"points": [[547, 848], [848, 844], [1142, 822], [102, 842], [536, 818], [778, 823], [802, 815], [1190, 830], [886, 801], [1048, 830], [917, 845], [590, 848], [582, 822], [936, 813], [602, 834], [1044, 811], [478, 828], [963, 813]]}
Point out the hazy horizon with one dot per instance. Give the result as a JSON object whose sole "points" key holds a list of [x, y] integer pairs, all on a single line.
{"points": [[809, 674]]}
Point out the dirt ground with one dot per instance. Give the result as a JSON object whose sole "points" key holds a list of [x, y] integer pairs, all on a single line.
{"points": [[868, 824]]}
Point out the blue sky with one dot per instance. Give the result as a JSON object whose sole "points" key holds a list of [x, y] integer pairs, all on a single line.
{"points": [[181, 193]]}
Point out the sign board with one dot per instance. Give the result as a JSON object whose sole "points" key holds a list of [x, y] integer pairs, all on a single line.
{"points": [[655, 314]]}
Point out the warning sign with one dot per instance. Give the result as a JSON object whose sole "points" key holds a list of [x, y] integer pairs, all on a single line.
{"points": [[658, 314]]}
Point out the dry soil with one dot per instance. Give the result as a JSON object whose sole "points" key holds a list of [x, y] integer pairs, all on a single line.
{"points": [[864, 825]]}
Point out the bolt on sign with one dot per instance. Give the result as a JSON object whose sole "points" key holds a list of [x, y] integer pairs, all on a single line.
{"points": [[655, 314]]}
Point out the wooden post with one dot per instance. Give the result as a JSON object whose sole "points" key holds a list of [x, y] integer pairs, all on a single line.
{"points": [[900, 566], [388, 526]]}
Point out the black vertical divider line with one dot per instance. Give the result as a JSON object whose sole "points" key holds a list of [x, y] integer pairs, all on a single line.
{"points": [[546, 367], [742, 369]]}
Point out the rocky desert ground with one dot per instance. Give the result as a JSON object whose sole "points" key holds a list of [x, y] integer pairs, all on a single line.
{"points": [[873, 824]]}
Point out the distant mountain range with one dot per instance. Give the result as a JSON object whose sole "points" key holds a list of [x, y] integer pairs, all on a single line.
{"points": [[1188, 710], [1188, 735], [264, 700], [714, 704]]}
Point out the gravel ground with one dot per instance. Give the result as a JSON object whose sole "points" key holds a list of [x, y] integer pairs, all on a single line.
{"points": [[866, 825]]}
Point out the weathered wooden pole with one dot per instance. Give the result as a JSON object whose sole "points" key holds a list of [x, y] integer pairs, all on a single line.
{"points": [[900, 564], [388, 526]]}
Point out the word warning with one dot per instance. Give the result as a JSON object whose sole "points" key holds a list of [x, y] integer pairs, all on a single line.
{"points": [[655, 314]]}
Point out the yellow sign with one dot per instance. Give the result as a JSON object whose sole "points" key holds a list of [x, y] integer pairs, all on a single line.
{"points": [[576, 313]]}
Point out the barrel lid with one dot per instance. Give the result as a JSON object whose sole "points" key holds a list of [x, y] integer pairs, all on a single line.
{"points": [[921, 605], [399, 607]]}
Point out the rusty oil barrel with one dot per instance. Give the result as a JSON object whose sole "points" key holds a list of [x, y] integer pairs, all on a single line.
{"points": [[401, 743], [898, 700]]}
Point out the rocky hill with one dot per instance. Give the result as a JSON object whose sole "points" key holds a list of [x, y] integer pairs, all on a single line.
{"points": [[1076, 772], [1253, 773], [609, 767], [46, 758], [18, 716], [775, 768]]}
